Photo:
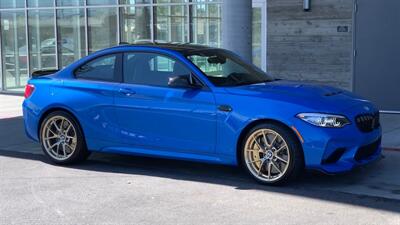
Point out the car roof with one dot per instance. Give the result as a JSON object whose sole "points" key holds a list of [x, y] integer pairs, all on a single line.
{"points": [[182, 48]]}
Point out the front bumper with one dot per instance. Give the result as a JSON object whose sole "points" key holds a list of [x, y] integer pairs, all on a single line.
{"points": [[333, 150]]}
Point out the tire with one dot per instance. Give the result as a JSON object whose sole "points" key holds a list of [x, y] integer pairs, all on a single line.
{"points": [[272, 163], [62, 139]]}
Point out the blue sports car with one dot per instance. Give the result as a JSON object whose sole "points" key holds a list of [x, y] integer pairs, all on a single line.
{"points": [[200, 104]]}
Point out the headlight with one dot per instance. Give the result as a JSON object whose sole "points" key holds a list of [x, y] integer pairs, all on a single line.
{"points": [[324, 120]]}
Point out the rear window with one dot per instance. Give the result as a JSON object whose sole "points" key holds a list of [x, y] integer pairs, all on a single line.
{"points": [[102, 68]]}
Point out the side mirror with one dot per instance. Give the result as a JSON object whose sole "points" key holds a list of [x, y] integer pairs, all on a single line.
{"points": [[183, 81], [83, 69]]}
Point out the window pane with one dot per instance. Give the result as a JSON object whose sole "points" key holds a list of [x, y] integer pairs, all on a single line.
{"points": [[206, 24], [171, 1], [71, 35], [102, 68], [131, 2], [102, 28], [42, 42], [214, 10], [101, 2], [171, 23], [40, 3], [13, 43], [69, 2], [151, 69], [12, 4], [135, 24], [207, 1]]}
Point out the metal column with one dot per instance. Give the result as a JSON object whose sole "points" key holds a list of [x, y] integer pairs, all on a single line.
{"points": [[237, 27]]}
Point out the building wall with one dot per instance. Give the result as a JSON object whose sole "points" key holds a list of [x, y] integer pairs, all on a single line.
{"points": [[307, 45]]}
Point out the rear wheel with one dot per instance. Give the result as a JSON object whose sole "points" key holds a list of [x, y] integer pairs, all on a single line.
{"points": [[62, 139], [271, 154]]}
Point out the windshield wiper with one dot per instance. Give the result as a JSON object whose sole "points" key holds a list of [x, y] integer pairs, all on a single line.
{"points": [[253, 82]]}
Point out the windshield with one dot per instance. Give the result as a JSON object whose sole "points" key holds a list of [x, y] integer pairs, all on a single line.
{"points": [[223, 68]]}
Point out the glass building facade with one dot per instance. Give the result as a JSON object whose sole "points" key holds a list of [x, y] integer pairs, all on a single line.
{"points": [[50, 34]]}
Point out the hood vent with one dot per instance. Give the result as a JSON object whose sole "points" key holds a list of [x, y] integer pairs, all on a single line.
{"points": [[333, 93]]}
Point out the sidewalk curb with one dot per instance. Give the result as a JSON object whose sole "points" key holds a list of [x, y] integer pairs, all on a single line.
{"points": [[20, 94], [392, 149]]}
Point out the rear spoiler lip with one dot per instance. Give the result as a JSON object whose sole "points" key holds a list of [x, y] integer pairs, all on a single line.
{"points": [[40, 73]]}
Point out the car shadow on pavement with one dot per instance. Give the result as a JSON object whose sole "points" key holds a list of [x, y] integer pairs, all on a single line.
{"points": [[14, 144]]}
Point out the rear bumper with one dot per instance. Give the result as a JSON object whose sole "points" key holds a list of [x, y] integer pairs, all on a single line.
{"points": [[31, 121]]}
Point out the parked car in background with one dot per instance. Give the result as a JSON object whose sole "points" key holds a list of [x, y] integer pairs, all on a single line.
{"points": [[200, 104]]}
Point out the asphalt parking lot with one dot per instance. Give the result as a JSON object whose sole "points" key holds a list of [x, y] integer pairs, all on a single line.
{"points": [[115, 189]]}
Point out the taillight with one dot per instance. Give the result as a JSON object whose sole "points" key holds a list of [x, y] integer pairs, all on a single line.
{"points": [[29, 88]]}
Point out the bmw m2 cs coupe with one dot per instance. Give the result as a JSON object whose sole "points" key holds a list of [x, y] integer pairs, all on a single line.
{"points": [[199, 104]]}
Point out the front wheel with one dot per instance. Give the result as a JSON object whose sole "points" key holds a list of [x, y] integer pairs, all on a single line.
{"points": [[272, 154], [62, 139]]}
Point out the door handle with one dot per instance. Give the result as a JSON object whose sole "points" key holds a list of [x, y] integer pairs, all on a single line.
{"points": [[127, 91]]}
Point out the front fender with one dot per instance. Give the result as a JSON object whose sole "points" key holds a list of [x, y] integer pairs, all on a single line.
{"points": [[245, 112]]}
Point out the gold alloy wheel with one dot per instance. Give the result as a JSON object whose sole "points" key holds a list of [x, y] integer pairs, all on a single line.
{"points": [[266, 155], [59, 138]]}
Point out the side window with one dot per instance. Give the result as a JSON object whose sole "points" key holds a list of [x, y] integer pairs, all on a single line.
{"points": [[162, 64], [151, 69], [102, 68]]}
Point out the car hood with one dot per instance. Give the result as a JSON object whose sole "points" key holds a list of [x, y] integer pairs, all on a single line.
{"points": [[317, 97]]}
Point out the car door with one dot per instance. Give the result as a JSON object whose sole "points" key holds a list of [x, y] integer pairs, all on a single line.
{"points": [[152, 115]]}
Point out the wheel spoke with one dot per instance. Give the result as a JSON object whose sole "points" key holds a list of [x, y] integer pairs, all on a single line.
{"points": [[273, 141], [49, 138], [69, 146], [258, 144], [56, 126], [68, 128], [261, 166], [265, 138], [269, 170], [53, 145], [62, 125], [58, 148], [63, 148], [49, 129], [273, 164], [280, 148], [281, 159], [257, 160], [255, 151]]}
